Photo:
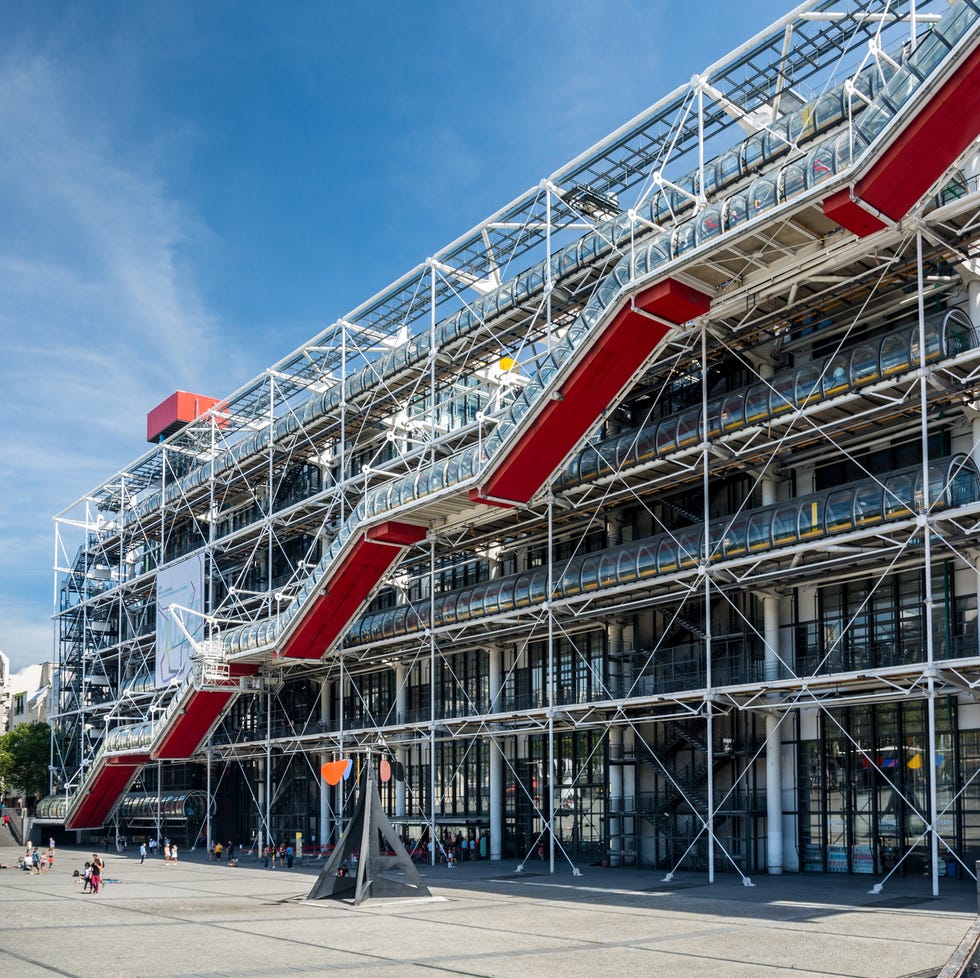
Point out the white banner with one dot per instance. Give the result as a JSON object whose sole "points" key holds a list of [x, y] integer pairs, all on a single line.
{"points": [[181, 585]]}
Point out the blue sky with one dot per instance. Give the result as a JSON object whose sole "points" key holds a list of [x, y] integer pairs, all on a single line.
{"points": [[189, 190]]}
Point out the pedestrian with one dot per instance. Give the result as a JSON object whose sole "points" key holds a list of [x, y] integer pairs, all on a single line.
{"points": [[211, 851], [142, 852], [153, 846], [87, 875], [218, 849], [231, 851], [289, 856], [166, 854], [51, 842], [265, 856], [50, 856], [96, 877], [173, 854]]}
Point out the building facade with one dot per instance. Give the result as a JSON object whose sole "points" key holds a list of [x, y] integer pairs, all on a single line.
{"points": [[637, 527]]}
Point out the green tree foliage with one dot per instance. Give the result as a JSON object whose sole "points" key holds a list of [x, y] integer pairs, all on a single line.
{"points": [[25, 754]]}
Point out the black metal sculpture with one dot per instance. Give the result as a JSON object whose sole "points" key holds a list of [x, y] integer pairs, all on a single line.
{"points": [[373, 876]]}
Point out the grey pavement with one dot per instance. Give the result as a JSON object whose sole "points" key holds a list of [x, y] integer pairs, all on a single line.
{"points": [[203, 919]]}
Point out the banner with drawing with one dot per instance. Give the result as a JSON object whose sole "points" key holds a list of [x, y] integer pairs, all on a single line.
{"points": [[181, 585]]}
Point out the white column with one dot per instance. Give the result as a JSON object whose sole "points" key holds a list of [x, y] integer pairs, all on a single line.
{"points": [[326, 689], [260, 799], [495, 673], [615, 796], [614, 658], [774, 782], [401, 754], [629, 794]]}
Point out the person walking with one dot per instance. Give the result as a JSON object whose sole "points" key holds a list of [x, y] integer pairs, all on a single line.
{"points": [[142, 852], [173, 853], [289, 856]]}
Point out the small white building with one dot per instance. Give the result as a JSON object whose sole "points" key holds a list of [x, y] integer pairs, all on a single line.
{"points": [[30, 693]]}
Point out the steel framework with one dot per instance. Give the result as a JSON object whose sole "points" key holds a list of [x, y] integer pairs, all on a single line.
{"points": [[559, 517]]}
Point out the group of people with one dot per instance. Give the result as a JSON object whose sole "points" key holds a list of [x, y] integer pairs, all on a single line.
{"points": [[35, 861], [92, 874], [216, 850], [282, 854]]}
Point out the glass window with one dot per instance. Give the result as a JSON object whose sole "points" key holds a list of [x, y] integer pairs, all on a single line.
{"points": [[667, 555], [683, 240], [810, 518], [899, 495], [733, 411], [867, 504], [784, 525], [781, 396], [894, 355], [709, 224], [727, 170], [840, 510], [757, 403], [864, 364], [820, 164], [666, 436], [688, 427], [792, 180], [762, 196], [807, 385], [646, 561], [736, 210], [757, 534], [733, 541], [688, 547], [835, 376], [752, 152]]}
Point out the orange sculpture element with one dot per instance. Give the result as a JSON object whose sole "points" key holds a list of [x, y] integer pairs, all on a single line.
{"points": [[334, 772], [385, 770]]}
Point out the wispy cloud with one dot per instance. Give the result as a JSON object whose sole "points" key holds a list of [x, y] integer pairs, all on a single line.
{"points": [[98, 316]]}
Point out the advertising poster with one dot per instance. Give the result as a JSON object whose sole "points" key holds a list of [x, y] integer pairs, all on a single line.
{"points": [[180, 585]]}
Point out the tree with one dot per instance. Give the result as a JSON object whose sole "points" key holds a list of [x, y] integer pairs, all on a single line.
{"points": [[25, 755]]}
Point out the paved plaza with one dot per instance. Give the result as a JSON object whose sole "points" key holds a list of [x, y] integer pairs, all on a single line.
{"points": [[203, 919]]}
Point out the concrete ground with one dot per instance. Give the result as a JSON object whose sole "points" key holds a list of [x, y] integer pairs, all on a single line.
{"points": [[203, 919]]}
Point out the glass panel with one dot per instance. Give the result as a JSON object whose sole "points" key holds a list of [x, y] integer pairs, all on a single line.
{"points": [[894, 355], [683, 238], [757, 403], [820, 163], [807, 385], [667, 556], [727, 170], [840, 510], [864, 364], [688, 427], [762, 196], [899, 495], [758, 530], [784, 525], [666, 436], [810, 518], [709, 224], [782, 394], [736, 210], [733, 411], [733, 541], [688, 547], [792, 180], [752, 152], [867, 504], [646, 561], [835, 376]]}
